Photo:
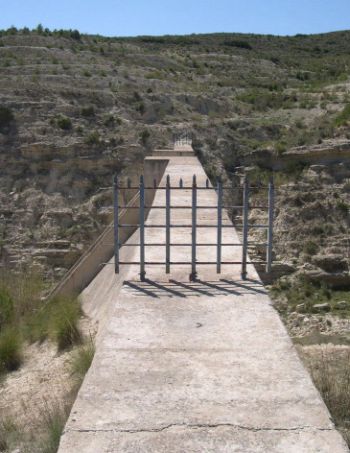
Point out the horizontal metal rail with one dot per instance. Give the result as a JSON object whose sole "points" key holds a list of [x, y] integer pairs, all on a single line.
{"points": [[190, 207], [189, 245], [190, 188], [174, 263], [129, 225]]}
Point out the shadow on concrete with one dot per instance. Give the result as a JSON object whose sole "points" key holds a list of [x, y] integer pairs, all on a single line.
{"points": [[250, 284], [174, 288]]}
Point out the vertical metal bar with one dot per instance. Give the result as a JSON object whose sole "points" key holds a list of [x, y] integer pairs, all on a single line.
{"points": [[271, 203], [193, 274], [181, 183], [116, 224], [245, 228], [167, 225], [142, 229], [219, 230]]}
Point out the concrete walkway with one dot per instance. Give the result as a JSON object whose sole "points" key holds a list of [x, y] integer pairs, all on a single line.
{"points": [[193, 367]]}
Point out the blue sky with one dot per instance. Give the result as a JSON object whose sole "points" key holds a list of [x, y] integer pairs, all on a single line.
{"points": [[157, 17]]}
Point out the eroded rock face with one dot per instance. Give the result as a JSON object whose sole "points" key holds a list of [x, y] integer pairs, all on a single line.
{"points": [[312, 224], [331, 263], [336, 280], [123, 98]]}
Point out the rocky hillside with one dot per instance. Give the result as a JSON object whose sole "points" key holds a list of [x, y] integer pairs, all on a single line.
{"points": [[74, 109]]}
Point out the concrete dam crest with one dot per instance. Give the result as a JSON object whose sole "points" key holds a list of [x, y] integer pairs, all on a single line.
{"points": [[191, 366]]}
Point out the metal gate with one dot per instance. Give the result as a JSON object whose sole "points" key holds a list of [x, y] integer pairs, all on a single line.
{"points": [[245, 226]]}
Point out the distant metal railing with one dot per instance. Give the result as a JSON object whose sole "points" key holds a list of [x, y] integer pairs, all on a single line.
{"points": [[142, 225], [183, 140]]}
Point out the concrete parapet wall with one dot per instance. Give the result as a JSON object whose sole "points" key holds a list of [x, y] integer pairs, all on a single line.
{"points": [[177, 152], [101, 251]]}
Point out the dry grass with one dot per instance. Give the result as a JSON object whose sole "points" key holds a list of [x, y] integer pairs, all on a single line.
{"points": [[8, 433], [54, 420], [331, 375], [82, 359], [27, 318]]}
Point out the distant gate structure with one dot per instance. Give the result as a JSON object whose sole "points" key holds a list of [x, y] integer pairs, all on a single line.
{"points": [[193, 225], [182, 140]]}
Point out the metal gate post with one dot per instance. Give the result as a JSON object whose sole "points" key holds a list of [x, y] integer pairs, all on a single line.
{"points": [[193, 274], [142, 229], [245, 228], [271, 203], [219, 230], [167, 225], [116, 224]]}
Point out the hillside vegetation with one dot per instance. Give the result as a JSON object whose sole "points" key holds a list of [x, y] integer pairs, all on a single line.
{"points": [[75, 109]]}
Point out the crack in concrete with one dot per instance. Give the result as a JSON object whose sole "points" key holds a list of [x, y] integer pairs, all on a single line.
{"points": [[199, 426]]}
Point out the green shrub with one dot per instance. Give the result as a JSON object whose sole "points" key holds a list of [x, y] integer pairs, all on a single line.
{"points": [[40, 29], [63, 122], [144, 136], [342, 206], [88, 111], [141, 108], [239, 44], [280, 148], [343, 117], [93, 138], [6, 117], [310, 248], [10, 350], [109, 121], [74, 34]]}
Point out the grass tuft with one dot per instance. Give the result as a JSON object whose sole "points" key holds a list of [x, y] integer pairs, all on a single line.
{"points": [[343, 117], [10, 350], [54, 420], [64, 323], [6, 307], [24, 316], [8, 433], [332, 378], [82, 359]]}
